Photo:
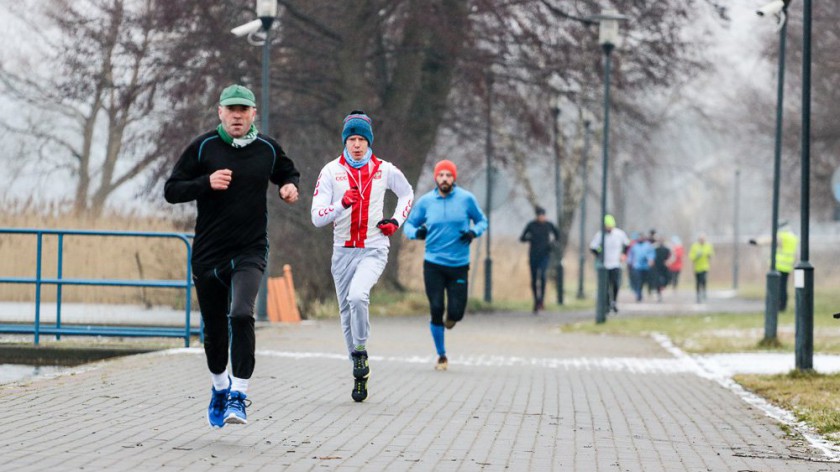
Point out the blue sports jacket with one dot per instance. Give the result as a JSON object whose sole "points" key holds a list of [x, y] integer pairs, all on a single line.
{"points": [[446, 219]]}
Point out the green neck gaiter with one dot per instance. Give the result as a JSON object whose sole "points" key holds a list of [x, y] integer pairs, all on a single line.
{"points": [[249, 137]]}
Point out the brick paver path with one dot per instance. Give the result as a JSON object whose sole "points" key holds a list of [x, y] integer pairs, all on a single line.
{"points": [[519, 395]]}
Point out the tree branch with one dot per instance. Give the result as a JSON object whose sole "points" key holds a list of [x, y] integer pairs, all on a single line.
{"points": [[309, 21]]}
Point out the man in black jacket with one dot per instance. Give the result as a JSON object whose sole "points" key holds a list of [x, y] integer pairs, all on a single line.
{"points": [[538, 232], [227, 171]]}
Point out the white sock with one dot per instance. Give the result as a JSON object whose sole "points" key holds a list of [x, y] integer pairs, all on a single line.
{"points": [[239, 385], [220, 381]]}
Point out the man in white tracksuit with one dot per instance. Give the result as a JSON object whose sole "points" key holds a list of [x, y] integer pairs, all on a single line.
{"points": [[350, 194]]}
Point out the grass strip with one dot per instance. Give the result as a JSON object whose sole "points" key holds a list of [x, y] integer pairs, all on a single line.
{"points": [[718, 333], [812, 397]]}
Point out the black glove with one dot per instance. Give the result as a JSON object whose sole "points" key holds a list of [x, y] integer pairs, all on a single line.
{"points": [[467, 236], [421, 232], [753, 242]]}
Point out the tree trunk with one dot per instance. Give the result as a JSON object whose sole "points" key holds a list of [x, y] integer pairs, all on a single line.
{"points": [[416, 100]]}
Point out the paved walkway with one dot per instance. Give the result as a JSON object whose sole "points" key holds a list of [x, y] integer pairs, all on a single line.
{"points": [[519, 395]]}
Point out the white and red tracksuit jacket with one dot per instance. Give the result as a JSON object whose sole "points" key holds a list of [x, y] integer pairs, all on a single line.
{"points": [[356, 226]]}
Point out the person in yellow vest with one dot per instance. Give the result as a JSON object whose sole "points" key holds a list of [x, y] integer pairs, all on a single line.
{"points": [[700, 253], [786, 244]]}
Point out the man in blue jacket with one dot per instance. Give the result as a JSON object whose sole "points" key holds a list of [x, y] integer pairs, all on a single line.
{"points": [[448, 218], [641, 257]]}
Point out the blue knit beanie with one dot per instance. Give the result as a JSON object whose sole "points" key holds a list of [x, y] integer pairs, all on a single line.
{"points": [[357, 124]]}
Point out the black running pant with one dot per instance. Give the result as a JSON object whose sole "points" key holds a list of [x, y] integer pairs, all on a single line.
{"points": [[700, 282], [613, 283], [452, 281], [783, 292], [675, 278], [539, 265], [226, 296]]}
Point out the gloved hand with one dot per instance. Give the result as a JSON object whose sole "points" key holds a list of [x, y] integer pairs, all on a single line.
{"points": [[350, 197], [388, 226], [467, 236], [421, 232], [753, 242]]}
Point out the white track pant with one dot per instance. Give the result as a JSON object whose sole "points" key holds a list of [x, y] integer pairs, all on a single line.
{"points": [[355, 272]]}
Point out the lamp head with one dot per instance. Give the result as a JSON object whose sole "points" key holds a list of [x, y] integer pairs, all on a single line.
{"points": [[266, 11], [608, 26], [777, 9], [266, 8], [773, 8]]}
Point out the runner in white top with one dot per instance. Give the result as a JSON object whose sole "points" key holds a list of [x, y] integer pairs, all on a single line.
{"points": [[350, 193], [616, 242]]}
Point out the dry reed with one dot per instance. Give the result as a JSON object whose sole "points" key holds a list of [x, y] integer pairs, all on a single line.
{"points": [[143, 258], [92, 257]]}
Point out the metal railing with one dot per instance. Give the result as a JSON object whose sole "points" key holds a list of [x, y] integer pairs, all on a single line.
{"points": [[37, 328]]}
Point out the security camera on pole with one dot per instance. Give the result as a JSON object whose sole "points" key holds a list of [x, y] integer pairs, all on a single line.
{"points": [[266, 12]]}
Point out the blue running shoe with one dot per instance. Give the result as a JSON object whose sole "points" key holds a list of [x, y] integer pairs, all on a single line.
{"points": [[216, 410], [235, 410]]}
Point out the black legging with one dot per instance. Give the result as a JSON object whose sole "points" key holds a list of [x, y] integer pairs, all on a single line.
{"points": [[613, 282], [226, 296], [700, 279], [783, 291], [539, 265], [452, 281]]}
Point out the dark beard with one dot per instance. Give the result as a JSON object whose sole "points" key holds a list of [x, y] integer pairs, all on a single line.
{"points": [[445, 188]]}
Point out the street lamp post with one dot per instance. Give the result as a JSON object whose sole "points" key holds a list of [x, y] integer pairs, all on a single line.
{"points": [[488, 261], [608, 36], [582, 249], [736, 228], [772, 298], [803, 276], [266, 12], [558, 188]]}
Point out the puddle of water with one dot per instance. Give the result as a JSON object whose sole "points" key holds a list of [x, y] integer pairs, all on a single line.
{"points": [[17, 372]]}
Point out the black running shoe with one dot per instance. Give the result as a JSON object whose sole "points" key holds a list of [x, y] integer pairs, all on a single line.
{"points": [[360, 392], [361, 366]]}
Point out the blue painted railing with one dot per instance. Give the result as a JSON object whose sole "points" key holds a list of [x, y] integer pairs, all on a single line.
{"points": [[59, 281]]}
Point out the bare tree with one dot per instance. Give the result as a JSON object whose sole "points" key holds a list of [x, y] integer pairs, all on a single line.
{"points": [[420, 69], [825, 129], [102, 94], [545, 54], [147, 77]]}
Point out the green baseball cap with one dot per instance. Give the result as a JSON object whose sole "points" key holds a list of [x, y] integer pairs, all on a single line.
{"points": [[237, 95]]}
